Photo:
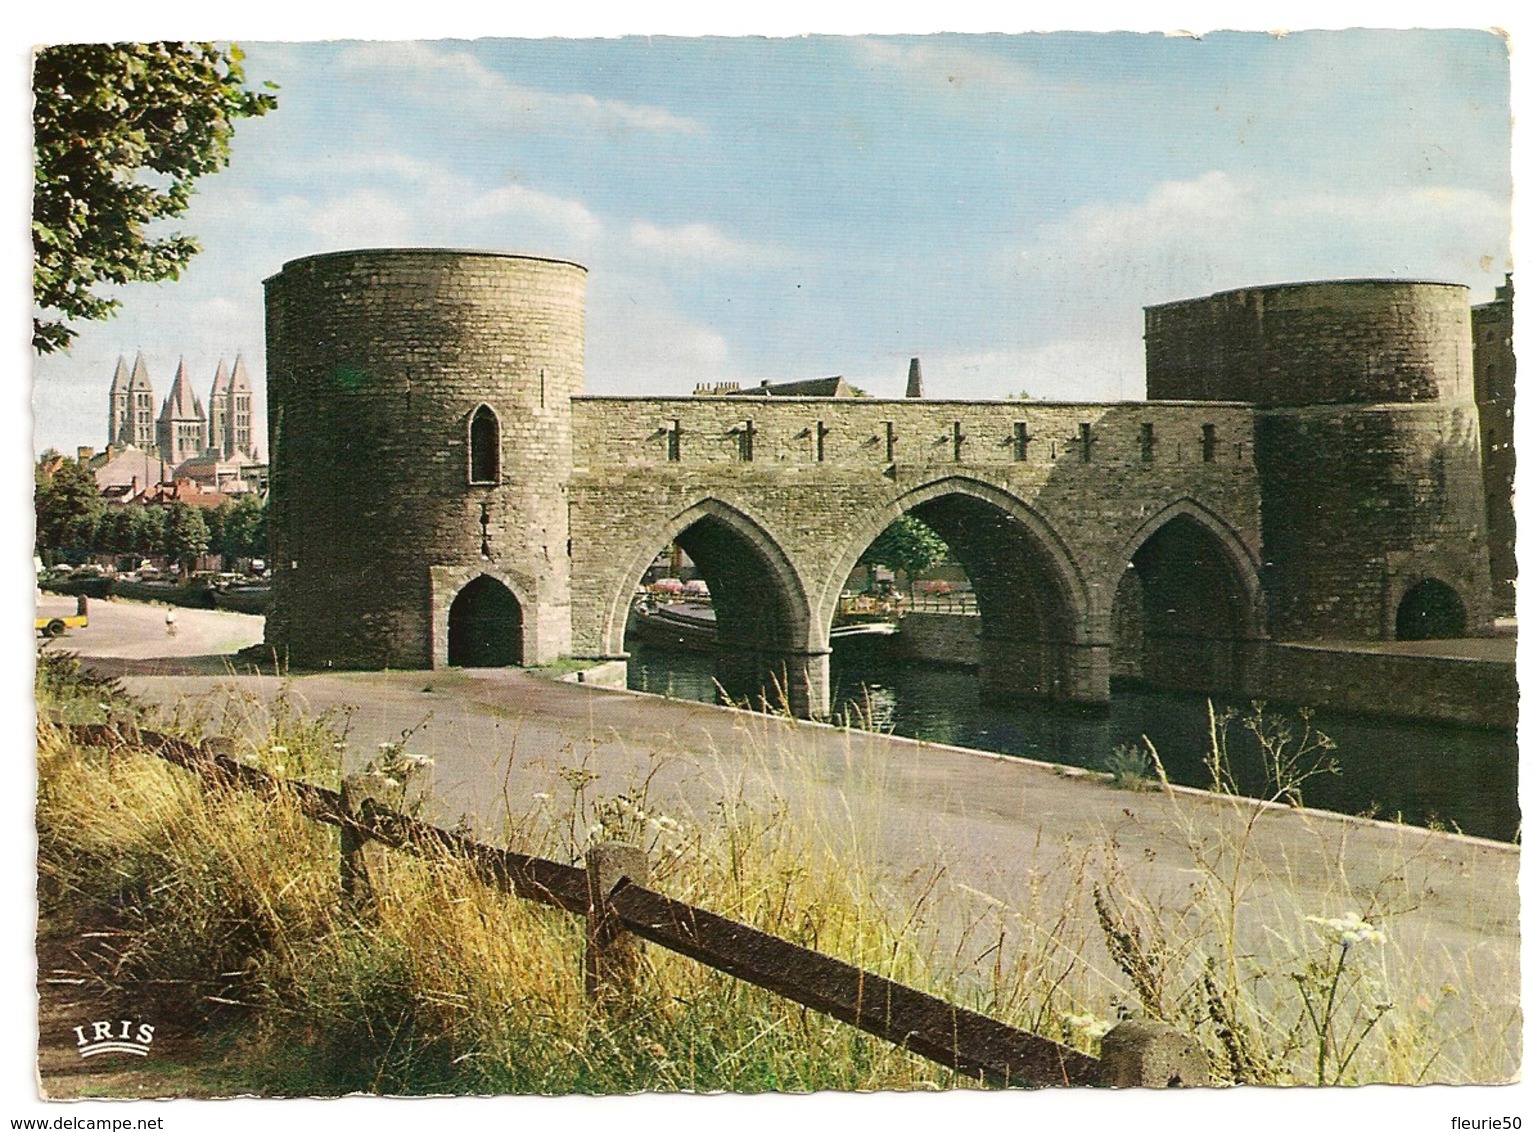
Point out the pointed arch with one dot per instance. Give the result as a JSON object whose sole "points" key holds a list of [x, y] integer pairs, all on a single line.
{"points": [[1186, 602], [1053, 552], [793, 619], [1034, 605], [484, 625], [483, 446], [1237, 555], [1430, 610]]}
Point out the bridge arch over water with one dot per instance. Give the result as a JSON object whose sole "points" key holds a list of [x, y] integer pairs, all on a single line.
{"points": [[1034, 604], [1188, 603], [764, 619]]}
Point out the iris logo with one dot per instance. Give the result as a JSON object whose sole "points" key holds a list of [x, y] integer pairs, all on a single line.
{"points": [[123, 1036]]}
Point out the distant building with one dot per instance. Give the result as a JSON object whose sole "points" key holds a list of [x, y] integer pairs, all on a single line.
{"points": [[182, 430], [131, 423], [180, 490], [124, 474], [1495, 374], [213, 446], [809, 387], [235, 474], [229, 412]]}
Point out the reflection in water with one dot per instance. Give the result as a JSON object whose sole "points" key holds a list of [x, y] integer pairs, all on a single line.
{"points": [[1420, 773]]}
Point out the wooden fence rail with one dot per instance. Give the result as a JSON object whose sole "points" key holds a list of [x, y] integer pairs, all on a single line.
{"points": [[610, 892]]}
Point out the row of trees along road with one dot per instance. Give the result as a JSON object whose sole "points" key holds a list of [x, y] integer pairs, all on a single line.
{"points": [[73, 520]]}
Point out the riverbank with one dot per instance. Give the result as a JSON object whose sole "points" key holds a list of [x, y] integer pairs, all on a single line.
{"points": [[985, 846], [1469, 681]]}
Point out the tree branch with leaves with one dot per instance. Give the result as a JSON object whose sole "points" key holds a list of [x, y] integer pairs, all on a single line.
{"points": [[121, 131]]}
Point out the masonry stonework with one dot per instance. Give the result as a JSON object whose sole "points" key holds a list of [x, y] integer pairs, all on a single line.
{"points": [[1360, 341], [377, 364], [1367, 440], [1495, 382], [1318, 465]]}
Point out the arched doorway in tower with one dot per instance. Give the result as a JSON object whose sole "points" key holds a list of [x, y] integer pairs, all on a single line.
{"points": [[1430, 611], [1182, 613], [484, 626]]}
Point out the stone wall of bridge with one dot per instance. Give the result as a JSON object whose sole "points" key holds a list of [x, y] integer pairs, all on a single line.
{"points": [[442, 493], [1046, 505]]}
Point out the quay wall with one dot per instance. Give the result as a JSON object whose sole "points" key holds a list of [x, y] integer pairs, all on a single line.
{"points": [[1472, 692]]}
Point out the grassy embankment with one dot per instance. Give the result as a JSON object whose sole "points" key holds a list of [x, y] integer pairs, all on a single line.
{"points": [[220, 915]]}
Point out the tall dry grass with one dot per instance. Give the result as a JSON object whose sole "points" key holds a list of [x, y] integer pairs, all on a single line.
{"points": [[225, 909]]}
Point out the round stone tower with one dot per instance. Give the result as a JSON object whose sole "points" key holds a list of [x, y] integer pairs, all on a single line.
{"points": [[1371, 341], [419, 437], [1367, 444]]}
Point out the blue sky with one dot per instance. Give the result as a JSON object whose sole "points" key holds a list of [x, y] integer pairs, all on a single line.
{"points": [[1002, 206]]}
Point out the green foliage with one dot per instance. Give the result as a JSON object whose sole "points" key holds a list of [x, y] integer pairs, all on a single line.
{"points": [[121, 132], [69, 505], [186, 535], [1130, 767], [132, 530], [237, 528], [906, 545], [80, 695]]}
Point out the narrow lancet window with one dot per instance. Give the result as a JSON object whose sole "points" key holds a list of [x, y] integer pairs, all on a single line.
{"points": [[484, 446]]}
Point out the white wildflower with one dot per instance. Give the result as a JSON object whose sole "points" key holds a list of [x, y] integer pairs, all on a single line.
{"points": [[277, 750], [1347, 930], [540, 796], [1087, 1025]]}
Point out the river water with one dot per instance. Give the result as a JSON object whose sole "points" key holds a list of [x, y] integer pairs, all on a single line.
{"points": [[1423, 773]]}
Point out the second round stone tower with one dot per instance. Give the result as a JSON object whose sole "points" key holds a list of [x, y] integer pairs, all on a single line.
{"points": [[419, 433]]}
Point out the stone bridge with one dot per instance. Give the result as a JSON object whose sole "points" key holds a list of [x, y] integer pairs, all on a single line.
{"points": [[443, 492], [1060, 514]]}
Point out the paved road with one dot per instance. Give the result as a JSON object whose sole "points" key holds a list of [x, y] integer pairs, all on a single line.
{"points": [[1000, 841], [132, 636]]}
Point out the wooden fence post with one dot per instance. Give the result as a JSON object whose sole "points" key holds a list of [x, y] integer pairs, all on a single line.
{"points": [[612, 954], [363, 860], [1151, 1055]]}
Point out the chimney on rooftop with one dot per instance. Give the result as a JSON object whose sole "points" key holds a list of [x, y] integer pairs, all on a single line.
{"points": [[913, 383]]}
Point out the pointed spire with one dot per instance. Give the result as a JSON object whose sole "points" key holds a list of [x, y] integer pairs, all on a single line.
{"points": [[913, 383], [140, 379], [220, 380], [240, 382], [120, 377], [181, 403]]}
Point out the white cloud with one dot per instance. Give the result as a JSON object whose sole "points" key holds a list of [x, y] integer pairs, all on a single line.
{"points": [[700, 243], [436, 73], [519, 200], [945, 65], [637, 343], [1107, 367], [1187, 238], [365, 218]]}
